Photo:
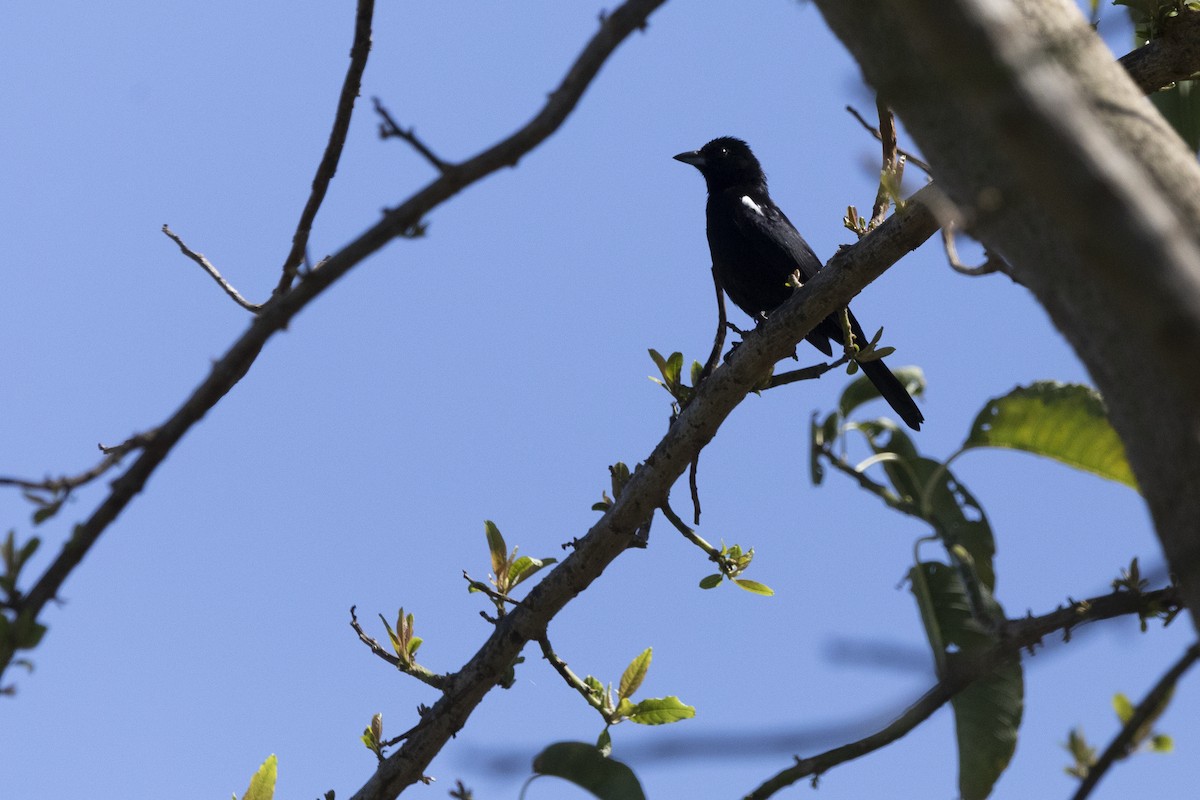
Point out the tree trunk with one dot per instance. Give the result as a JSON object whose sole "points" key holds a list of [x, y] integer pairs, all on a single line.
{"points": [[1059, 164]]}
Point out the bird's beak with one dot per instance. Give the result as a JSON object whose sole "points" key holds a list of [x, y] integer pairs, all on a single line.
{"points": [[693, 157]]}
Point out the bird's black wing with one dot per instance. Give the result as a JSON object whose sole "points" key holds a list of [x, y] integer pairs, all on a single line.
{"points": [[769, 251]]}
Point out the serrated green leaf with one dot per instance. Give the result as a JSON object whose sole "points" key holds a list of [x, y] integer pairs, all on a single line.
{"points": [[660, 711], [952, 510], [262, 785], [497, 548], [586, 767], [635, 673], [1123, 706], [861, 390], [1065, 422], [755, 587], [710, 581]]}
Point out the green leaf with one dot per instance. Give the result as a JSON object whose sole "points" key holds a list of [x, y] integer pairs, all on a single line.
{"points": [[498, 548], [262, 785], [861, 390], [1065, 422], [953, 511], [526, 567], [634, 674], [697, 369], [710, 581], [1180, 106], [604, 743], [1161, 743], [987, 715], [660, 711], [755, 587], [1123, 707], [586, 767]]}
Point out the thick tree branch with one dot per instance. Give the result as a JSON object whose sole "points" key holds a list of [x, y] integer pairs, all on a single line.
{"points": [[1016, 635], [1173, 57], [279, 311], [833, 287]]}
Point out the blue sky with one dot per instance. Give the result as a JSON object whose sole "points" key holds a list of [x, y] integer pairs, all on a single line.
{"points": [[491, 370]]}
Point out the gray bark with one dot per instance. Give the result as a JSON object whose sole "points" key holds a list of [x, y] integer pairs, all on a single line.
{"points": [[1057, 162]]}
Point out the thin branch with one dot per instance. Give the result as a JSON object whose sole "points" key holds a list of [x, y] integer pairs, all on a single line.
{"points": [[208, 267], [65, 484], [908, 156], [892, 165], [1017, 635], [278, 312], [714, 358], [689, 534], [1151, 704], [804, 374], [422, 674], [497, 598], [571, 678], [992, 264], [389, 129], [333, 149]]}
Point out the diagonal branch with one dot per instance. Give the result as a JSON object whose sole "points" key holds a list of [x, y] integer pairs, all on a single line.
{"points": [[337, 141], [278, 312], [647, 489], [1151, 704], [213, 272], [1017, 635]]}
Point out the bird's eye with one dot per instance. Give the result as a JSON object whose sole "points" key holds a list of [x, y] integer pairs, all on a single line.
{"points": [[724, 152]]}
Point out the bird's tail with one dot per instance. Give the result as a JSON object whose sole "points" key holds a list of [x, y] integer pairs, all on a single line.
{"points": [[891, 389]]}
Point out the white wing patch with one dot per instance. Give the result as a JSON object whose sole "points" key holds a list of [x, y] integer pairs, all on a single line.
{"points": [[753, 206]]}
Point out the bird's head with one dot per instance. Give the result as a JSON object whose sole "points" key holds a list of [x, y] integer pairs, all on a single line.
{"points": [[725, 162]]}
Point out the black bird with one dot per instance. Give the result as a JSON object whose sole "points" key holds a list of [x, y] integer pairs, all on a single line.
{"points": [[756, 250]]}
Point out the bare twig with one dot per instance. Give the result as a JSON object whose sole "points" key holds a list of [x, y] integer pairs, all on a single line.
{"points": [[992, 264], [1119, 747], [805, 374], [333, 149], [499, 599], [908, 156], [389, 129], [422, 674], [1016, 635], [275, 315], [208, 267], [571, 678], [65, 484], [714, 358], [689, 534]]}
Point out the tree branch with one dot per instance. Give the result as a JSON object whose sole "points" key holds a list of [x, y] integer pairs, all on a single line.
{"points": [[647, 489], [1016, 635], [279, 311], [1150, 705], [337, 142], [208, 267], [1174, 56]]}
